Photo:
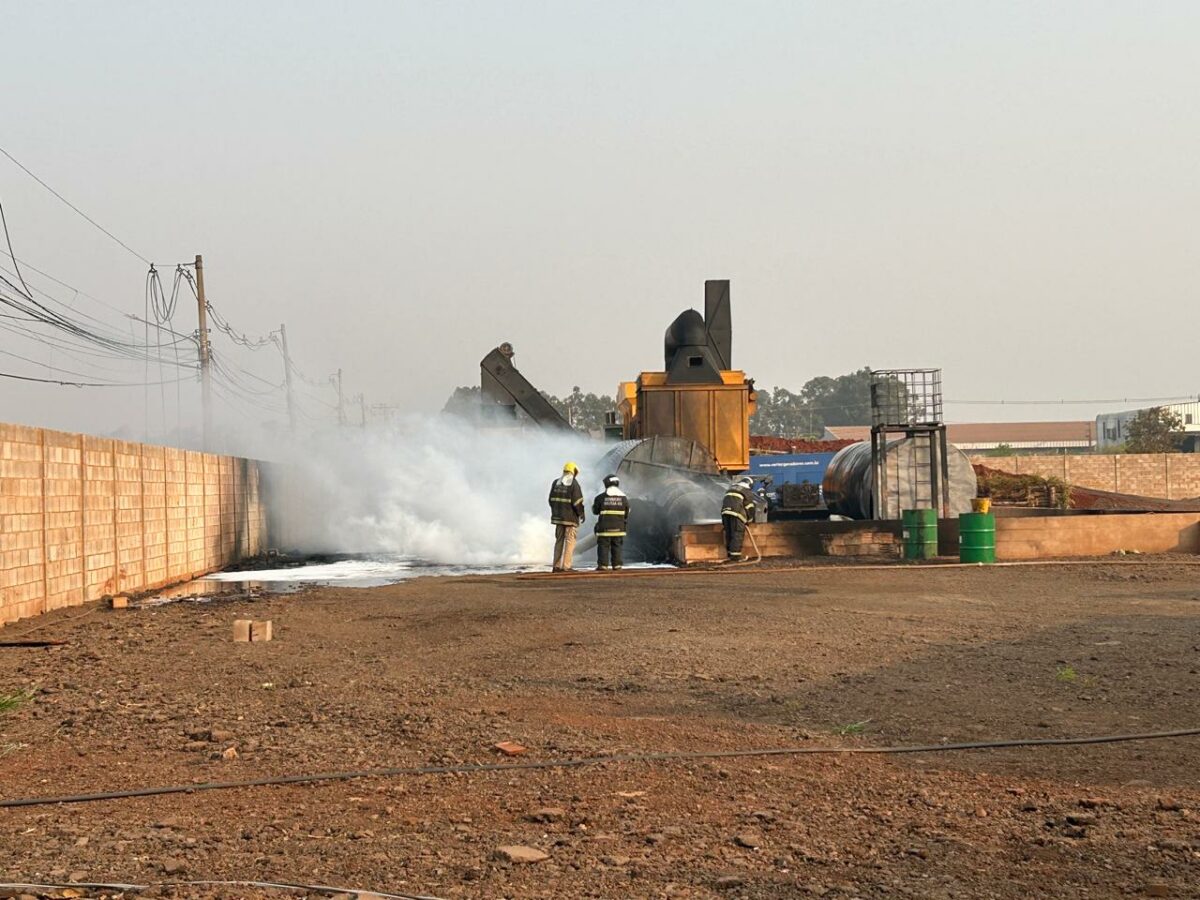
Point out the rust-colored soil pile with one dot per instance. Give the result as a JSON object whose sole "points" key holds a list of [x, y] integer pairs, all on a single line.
{"points": [[1036, 490], [770, 444]]}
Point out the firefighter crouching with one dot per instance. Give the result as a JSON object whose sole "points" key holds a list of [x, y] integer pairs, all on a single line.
{"points": [[566, 513], [611, 510], [736, 510]]}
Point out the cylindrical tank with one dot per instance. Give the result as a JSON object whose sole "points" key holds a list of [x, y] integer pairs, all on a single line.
{"points": [[977, 537], [670, 481], [849, 483]]}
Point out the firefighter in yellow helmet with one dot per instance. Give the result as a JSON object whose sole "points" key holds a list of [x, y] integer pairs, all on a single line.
{"points": [[566, 513]]}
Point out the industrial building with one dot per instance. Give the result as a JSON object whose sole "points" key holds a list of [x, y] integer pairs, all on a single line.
{"points": [[1112, 429], [982, 437]]}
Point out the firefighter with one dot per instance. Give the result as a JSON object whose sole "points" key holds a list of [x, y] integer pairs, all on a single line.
{"points": [[611, 510], [736, 510], [566, 512]]}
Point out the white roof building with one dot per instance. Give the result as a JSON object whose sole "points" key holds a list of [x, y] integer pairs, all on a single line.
{"points": [[1112, 429]]}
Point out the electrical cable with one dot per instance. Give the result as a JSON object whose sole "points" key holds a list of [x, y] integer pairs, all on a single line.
{"points": [[250, 395], [586, 761], [82, 353], [8, 241], [63, 621], [75, 208], [856, 407], [40, 313], [87, 384], [224, 327], [1186, 398], [33, 312], [115, 348], [70, 287], [280, 885], [99, 322], [38, 363]]}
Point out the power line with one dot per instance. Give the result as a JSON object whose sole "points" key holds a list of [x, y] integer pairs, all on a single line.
{"points": [[223, 325], [180, 338], [70, 287], [73, 206], [48, 365], [8, 241], [32, 312], [118, 348], [857, 406], [82, 384], [1181, 399]]}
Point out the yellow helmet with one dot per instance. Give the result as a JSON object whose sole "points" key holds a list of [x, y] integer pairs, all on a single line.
{"points": [[571, 467]]}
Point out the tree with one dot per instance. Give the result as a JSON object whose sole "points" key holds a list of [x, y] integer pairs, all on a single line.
{"points": [[1155, 430], [583, 411], [1002, 450], [464, 402], [843, 400]]}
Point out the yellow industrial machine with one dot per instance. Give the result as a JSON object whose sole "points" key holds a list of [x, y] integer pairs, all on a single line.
{"points": [[698, 396]]}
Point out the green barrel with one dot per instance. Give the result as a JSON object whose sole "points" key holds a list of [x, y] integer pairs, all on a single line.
{"points": [[920, 533], [977, 537]]}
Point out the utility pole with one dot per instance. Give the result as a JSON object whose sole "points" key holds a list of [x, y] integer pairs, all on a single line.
{"points": [[341, 400], [287, 378], [205, 356], [362, 408]]}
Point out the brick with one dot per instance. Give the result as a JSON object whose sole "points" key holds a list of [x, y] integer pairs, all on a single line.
{"points": [[260, 631]]}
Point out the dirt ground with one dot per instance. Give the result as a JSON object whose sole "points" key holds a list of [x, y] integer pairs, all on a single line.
{"points": [[436, 671]]}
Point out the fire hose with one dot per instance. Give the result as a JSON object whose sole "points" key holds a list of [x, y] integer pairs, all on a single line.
{"points": [[581, 762]]}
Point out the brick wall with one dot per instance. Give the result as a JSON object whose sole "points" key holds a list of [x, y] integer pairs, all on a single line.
{"points": [[82, 516], [1173, 476], [1048, 536]]}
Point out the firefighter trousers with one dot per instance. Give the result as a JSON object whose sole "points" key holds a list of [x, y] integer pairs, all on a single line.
{"points": [[564, 545], [609, 551], [735, 535]]}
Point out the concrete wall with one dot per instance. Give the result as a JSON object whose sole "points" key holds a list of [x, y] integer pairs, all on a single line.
{"points": [[1046, 537], [1018, 537], [1173, 476], [82, 516]]}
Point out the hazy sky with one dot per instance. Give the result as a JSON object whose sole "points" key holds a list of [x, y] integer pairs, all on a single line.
{"points": [[1006, 190]]}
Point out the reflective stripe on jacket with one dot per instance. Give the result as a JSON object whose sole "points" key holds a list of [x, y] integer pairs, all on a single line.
{"points": [[566, 502], [739, 502], [611, 510]]}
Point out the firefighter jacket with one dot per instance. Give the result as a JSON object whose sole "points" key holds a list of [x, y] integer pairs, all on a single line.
{"points": [[566, 501], [611, 510], [739, 502]]}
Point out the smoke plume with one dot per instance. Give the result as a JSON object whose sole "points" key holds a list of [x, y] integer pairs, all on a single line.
{"points": [[431, 488]]}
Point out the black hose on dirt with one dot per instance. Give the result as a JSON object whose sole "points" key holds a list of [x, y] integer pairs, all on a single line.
{"points": [[580, 762], [274, 885]]}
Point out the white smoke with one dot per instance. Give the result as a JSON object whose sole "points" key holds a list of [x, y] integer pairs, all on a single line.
{"points": [[434, 488]]}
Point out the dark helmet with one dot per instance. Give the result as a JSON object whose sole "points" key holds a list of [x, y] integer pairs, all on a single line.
{"points": [[611, 481]]}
